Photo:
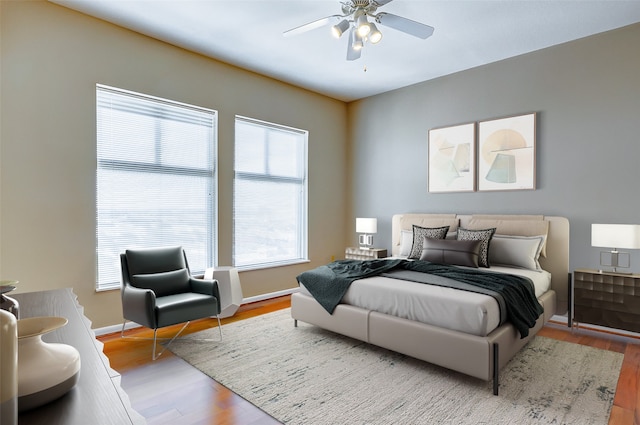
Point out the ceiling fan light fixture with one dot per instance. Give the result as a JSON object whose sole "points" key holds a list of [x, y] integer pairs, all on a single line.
{"points": [[375, 35], [355, 18], [339, 29], [362, 24]]}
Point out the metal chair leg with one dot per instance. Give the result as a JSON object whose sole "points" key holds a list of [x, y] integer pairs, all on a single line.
{"points": [[168, 344], [153, 352], [155, 338], [219, 326], [122, 330]]}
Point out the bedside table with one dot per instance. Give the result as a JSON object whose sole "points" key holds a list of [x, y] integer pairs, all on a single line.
{"points": [[354, 253], [607, 299]]}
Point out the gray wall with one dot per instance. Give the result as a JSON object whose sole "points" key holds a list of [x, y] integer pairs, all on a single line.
{"points": [[587, 96]]}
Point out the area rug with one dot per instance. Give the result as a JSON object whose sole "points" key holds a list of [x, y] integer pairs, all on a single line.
{"points": [[306, 375]]}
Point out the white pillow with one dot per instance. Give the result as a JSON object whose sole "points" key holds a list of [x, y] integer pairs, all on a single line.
{"points": [[516, 251], [406, 242]]}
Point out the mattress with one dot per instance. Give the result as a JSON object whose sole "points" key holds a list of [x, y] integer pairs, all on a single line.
{"points": [[448, 308]]}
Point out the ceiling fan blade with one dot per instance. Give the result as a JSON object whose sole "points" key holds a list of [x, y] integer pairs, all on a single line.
{"points": [[311, 25], [405, 25], [352, 54], [382, 2]]}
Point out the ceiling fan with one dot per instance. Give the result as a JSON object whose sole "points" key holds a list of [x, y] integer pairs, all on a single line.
{"points": [[359, 17]]}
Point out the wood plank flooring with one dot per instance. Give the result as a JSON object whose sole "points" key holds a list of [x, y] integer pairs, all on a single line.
{"points": [[169, 390]]}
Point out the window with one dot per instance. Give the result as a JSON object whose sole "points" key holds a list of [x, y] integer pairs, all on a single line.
{"points": [[269, 195], [155, 178]]}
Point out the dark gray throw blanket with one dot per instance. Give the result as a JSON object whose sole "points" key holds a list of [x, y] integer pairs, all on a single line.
{"points": [[329, 283]]}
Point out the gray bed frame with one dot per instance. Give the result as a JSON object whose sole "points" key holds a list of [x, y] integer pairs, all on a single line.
{"points": [[477, 356]]}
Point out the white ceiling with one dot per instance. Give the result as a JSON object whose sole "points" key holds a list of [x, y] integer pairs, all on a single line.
{"points": [[467, 34]]}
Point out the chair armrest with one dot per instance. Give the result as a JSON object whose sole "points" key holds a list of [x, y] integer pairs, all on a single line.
{"points": [[205, 286], [138, 305]]}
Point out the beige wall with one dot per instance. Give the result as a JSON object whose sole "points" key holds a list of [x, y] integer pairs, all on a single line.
{"points": [[52, 58]]}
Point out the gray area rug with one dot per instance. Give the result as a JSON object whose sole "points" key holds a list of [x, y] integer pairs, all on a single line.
{"points": [[309, 376]]}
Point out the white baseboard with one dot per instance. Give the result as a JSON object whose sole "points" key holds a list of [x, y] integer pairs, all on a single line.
{"points": [[594, 328], [269, 295], [130, 325], [115, 328], [560, 319]]}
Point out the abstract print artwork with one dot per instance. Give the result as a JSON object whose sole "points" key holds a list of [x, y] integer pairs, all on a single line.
{"points": [[506, 153], [452, 158]]}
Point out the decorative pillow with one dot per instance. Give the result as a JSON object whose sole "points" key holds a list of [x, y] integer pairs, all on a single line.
{"points": [[406, 241], [518, 251], [406, 221], [484, 236], [513, 226], [419, 233], [166, 283], [445, 251]]}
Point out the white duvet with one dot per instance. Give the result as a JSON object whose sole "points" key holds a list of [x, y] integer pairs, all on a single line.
{"points": [[448, 308]]}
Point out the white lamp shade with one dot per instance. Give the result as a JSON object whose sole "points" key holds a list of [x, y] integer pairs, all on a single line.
{"points": [[339, 29], [362, 25], [375, 35], [616, 235], [366, 225]]}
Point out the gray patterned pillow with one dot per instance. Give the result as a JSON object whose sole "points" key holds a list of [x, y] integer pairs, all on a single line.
{"points": [[419, 233], [484, 236]]}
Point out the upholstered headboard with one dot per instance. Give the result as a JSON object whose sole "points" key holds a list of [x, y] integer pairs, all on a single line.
{"points": [[555, 257]]}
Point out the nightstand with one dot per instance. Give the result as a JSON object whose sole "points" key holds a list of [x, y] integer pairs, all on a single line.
{"points": [[607, 299], [354, 253]]}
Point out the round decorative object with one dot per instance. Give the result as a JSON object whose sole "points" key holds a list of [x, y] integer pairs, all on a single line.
{"points": [[46, 371], [7, 303]]}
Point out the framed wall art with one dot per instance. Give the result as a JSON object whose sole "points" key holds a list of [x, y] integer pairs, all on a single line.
{"points": [[507, 153], [451, 161]]}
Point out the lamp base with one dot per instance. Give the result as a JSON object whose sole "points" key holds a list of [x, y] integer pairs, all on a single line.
{"points": [[365, 241], [616, 259], [614, 271]]}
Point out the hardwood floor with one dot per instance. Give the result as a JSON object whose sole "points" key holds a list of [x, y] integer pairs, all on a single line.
{"points": [[626, 403], [170, 391]]}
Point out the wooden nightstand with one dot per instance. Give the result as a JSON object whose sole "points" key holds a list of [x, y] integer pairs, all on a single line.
{"points": [[354, 253], [607, 299]]}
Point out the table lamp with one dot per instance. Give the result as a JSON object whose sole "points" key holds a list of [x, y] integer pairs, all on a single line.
{"points": [[616, 236], [367, 227]]}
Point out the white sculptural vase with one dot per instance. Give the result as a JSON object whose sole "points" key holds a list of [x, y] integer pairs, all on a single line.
{"points": [[46, 371], [8, 368]]}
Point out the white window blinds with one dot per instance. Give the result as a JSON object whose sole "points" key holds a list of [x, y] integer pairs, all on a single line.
{"points": [[269, 195], [156, 179]]}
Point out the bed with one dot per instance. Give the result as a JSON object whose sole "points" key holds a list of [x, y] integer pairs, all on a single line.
{"points": [[477, 348]]}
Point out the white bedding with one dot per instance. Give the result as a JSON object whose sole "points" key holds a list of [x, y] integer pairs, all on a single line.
{"points": [[448, 308]]}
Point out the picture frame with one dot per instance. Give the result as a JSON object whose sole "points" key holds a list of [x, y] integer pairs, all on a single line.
{"points": [[507, 153], [451, 158]]}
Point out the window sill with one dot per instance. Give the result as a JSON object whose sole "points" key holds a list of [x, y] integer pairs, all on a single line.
{"points": [[263, 266]]}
